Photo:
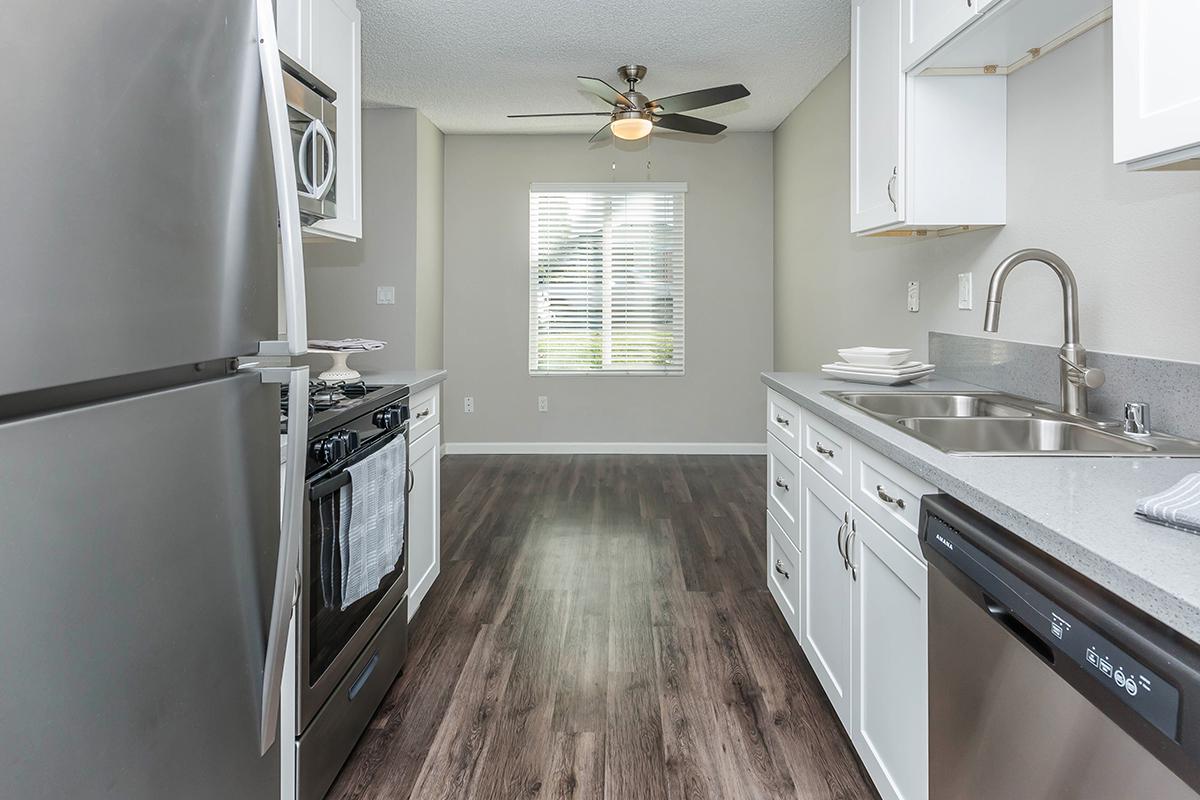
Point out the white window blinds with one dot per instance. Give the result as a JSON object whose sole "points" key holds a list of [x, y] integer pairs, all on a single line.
{"points": [[606, 278]]}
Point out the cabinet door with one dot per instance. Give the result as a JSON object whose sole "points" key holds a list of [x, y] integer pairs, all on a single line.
{"points": [[293, 21], [927, 24], [890, 729], [827, 593], [424, 517], [336, 37], [1156, 80], [876, 115]]}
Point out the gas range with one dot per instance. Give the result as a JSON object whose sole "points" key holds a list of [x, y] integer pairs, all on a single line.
{"points": [[330, 405]]}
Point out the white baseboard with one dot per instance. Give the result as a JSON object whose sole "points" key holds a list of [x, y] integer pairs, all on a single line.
{"points": [[615, 448]]}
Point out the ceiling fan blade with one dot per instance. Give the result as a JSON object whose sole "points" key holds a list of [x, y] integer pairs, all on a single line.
{"points": [[701, 98], [686, 124], [601, 134], [605, 92], [563, 114]]}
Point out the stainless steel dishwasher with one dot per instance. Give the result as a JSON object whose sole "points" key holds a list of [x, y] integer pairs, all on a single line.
{"points": [[1043, 685]]}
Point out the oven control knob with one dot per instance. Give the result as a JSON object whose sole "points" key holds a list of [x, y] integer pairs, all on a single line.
{"points": [[390, 417], [335, 446]]}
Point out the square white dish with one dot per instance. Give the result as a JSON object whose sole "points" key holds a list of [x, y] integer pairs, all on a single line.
{"points": [[900, 369], [875, 378], [875, 356]]}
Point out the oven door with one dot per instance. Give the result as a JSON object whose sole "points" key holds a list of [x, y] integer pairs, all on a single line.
{"points": [[332, 638], [313, 121]]}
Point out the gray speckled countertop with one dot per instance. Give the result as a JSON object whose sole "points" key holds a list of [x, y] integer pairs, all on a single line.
{"points": [[1079, 510], [415, 379]]}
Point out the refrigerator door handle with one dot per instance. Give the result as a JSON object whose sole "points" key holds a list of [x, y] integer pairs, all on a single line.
{"points": [[285, 187], [287, 565]]}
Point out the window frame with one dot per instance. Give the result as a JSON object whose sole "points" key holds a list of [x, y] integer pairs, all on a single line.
{"points": [[611, 188]]}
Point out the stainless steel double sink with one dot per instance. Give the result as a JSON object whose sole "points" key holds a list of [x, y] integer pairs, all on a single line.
{"points": [[998, 424]]}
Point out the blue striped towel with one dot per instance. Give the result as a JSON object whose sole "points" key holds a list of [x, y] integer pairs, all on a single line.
{"points": [[1177, 507]]}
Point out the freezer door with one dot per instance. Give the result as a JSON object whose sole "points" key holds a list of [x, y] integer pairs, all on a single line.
{"points": [[138, 212], [138, 543]]}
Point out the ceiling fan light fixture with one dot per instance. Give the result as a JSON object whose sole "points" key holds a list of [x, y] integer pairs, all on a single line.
{"points": [[631, 126]]}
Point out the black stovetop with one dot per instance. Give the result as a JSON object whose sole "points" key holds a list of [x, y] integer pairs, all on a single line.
{"points": [[333, 404]]}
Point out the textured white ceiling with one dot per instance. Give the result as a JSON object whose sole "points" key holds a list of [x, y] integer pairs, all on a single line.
{"points": [[467, 63]]}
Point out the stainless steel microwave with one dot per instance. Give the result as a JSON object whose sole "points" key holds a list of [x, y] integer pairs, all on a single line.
{"points": [[312, 117]]}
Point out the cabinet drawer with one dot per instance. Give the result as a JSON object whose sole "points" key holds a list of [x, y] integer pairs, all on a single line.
{"points": [[783, 487], [783, 420], [891, 495], [783, 574], [828, 451], [423, 412]]}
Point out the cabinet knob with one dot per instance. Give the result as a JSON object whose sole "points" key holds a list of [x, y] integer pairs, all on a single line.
{"points": [[780, 483], [779, 568]]}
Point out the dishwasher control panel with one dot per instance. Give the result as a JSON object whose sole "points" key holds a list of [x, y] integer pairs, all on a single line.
{"points": [[1059, 631]]}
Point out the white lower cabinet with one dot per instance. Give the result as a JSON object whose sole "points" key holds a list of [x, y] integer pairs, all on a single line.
{"points": [[827, 592], [424, 516], [858, 606], [890, 730]]}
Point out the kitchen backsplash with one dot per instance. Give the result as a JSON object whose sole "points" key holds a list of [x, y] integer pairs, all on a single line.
{"points": [[1031, 370]]}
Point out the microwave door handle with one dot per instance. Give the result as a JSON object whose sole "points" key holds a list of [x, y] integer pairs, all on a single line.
{"points": [[287, 566], [295, 313], [330, 158], [306, 156]]}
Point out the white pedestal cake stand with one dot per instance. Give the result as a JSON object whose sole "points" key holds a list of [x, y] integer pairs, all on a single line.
{"points": [[340, 372]]}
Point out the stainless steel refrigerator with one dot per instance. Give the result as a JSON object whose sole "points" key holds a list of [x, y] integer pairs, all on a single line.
{"points": [[147, 563]]}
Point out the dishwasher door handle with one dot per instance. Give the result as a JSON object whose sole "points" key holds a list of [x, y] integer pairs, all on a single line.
{"points": [[1002, 614]]}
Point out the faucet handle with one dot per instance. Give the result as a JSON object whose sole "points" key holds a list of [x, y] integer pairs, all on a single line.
{"points": [[1137, 419], [1091, 377]]}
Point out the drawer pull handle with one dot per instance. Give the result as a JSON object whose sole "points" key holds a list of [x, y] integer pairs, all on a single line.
{"points": [[782, 420], [841, 551], [423, 414], [779, 482], [887, 498], [779, 568], [850, 559], [825, 451]]}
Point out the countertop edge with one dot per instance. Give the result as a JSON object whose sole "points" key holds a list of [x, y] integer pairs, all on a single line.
{"points": [[1133, 588]]}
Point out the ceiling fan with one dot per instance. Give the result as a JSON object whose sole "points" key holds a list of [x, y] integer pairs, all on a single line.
{"points": [[634, 115]]}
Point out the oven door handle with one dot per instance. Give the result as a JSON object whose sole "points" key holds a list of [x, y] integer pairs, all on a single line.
{"points": [[287, 565], [295, 313], [340, 477]]}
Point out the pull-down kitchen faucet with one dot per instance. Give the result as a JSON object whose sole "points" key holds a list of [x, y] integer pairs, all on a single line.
{"points": [[1075, 377]]}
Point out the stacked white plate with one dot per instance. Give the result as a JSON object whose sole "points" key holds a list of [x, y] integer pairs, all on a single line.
{"points": [[885, 366]]}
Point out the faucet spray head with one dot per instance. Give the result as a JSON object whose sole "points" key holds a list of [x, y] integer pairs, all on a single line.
{"points": [[991, 318]]}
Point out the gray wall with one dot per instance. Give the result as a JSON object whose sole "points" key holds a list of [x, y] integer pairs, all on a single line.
{"points": [[429, 236], [728, 293], [400, 246], [1133, 239]]}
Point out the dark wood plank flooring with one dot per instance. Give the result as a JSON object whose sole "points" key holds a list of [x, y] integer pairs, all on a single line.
{"points": [[602, 629]]}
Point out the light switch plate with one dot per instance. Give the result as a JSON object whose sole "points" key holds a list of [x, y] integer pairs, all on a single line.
{"points": [[543, 403], [914, 295], [965, 302], [385, 295]]}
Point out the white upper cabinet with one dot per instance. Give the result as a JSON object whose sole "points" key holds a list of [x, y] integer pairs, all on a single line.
{"points": [[876, 115], [1156, 83], [927, 155], [928, 23], [324, 37]]}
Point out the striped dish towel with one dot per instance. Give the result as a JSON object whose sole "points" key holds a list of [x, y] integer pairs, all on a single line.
{"points": [[1177, 507]]}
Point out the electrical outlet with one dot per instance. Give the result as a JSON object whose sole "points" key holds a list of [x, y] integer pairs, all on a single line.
{"points": [[964, 291], [543, 403], [385, 295], [468, 405], [914, 295]]}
